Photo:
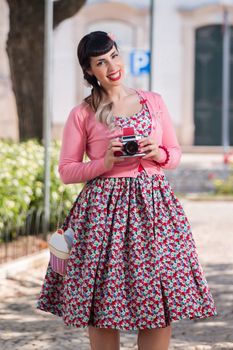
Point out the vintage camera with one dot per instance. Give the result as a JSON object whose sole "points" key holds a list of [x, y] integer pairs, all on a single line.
{"points": [[130, 145]]}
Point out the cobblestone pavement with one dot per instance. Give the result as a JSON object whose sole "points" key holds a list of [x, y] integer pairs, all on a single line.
{"points": [[25, 328], [196, 172]]}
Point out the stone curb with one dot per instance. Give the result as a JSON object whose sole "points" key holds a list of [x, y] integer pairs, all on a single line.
{"points": [[24, 263]]}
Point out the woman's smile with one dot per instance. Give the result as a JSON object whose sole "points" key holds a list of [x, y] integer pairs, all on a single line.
{"points": [[115, 76]]}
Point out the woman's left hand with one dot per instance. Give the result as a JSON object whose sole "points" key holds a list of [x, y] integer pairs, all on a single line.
{"points": [[149, 146]]}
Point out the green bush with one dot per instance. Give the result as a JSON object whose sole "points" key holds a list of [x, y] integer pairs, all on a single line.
{"points": [[21, 184], [224, 186]]}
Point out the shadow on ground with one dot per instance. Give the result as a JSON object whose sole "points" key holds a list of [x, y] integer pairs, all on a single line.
{"points": [[24, 327]]}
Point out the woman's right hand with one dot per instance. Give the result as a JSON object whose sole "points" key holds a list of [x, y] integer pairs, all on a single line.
{"points": [[109, 158]]}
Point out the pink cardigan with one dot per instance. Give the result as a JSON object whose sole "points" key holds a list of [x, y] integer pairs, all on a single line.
{"points": [[82, 133]]}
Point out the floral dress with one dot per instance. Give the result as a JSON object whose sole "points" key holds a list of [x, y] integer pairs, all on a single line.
{"points": [[134, 262]]}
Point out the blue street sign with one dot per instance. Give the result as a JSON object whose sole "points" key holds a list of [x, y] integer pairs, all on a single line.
{"points": [[140, 62]]}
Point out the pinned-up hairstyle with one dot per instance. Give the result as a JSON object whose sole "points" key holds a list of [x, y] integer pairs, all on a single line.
{"points": [[92, 45]]}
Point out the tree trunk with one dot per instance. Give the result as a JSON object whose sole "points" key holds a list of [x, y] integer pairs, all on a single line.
{"points": [[25, 52], [25, 49]]}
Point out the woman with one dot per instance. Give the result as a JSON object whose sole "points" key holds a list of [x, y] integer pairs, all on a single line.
{"points": [[134, 263]]}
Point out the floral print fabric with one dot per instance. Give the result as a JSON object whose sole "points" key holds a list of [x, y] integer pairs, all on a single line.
{"points": [[134, 262]]}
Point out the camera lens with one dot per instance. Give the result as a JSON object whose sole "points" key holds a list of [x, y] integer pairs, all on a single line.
{"points": [[131, 147]]}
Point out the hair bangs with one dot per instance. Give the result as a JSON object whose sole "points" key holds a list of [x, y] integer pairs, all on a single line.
{"points": [[99, 46]]}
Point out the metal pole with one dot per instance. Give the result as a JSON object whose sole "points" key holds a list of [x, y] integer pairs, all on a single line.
{"points": [[226, 82], [152, 46], [48, 33]]}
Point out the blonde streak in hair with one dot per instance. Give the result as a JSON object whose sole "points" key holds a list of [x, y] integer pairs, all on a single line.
{"points": [[104, 113]]}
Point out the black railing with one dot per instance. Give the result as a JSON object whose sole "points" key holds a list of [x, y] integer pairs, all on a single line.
{"points": [[20, 240]]}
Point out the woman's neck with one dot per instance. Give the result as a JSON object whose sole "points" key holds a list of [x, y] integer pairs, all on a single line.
{"points": [[118, 93]]}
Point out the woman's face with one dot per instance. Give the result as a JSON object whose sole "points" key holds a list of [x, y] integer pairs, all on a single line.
{"points": [[108, 68]]}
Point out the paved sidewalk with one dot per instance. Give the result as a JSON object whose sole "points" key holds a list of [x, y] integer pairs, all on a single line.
{"points": [[22, 327], [197, 171]]}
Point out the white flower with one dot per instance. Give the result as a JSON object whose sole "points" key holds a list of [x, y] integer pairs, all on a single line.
{"points": [[112, 36]]}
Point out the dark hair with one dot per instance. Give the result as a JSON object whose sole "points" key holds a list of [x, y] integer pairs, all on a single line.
{"points": [[92, 45]]}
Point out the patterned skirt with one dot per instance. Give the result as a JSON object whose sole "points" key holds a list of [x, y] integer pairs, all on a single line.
{"points": [[134, 262]]}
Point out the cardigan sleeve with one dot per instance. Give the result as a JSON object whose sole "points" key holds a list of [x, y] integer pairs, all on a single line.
{"points": [[169, 139], [71, 167]]}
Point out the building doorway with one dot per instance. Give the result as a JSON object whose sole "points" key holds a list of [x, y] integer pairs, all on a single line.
{"points": [[208, 86]]}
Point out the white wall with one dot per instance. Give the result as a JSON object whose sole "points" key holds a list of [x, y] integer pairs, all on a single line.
{"points": [[8, 113], [64, 71], [168, 55]]}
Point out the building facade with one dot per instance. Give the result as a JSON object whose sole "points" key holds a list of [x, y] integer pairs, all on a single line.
{"points": [[186, 63]]}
